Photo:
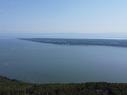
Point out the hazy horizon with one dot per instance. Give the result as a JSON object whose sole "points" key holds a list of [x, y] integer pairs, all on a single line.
{"points": [[63, 16], [63, 35]]}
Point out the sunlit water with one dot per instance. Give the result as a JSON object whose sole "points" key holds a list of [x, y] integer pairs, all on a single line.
{"points": [[45, 63]]}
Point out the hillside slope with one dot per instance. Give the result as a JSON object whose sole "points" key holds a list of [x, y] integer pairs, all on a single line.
{"points": [[13, 87]]}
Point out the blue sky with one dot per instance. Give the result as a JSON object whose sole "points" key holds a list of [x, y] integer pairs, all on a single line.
{"points": [[63, 16]]}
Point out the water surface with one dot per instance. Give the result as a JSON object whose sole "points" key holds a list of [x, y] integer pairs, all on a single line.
{"points": [[44, 63]]}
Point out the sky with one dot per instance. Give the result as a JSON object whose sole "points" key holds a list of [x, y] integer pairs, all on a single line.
{"points": [[63, 16]]}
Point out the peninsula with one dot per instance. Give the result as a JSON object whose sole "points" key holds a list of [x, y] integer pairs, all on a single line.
{"points": [[63, 41]]}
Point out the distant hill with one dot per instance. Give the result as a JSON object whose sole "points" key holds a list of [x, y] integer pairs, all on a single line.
{"points": [[13, 87], [99, 42]]}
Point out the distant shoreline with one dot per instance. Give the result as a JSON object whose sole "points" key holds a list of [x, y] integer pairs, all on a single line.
{"points": [[95, 42]]}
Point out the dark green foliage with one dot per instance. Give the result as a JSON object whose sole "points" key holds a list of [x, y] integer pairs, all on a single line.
{"points": [[13, 87]]}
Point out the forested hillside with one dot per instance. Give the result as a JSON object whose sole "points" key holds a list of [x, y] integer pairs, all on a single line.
{"points": [[14, 87]]}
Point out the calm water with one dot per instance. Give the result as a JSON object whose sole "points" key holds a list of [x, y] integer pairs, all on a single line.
{"points": [[38, 62]]}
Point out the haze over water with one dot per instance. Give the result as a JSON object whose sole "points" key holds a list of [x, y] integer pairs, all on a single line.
{"points": [[45, 63]]}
